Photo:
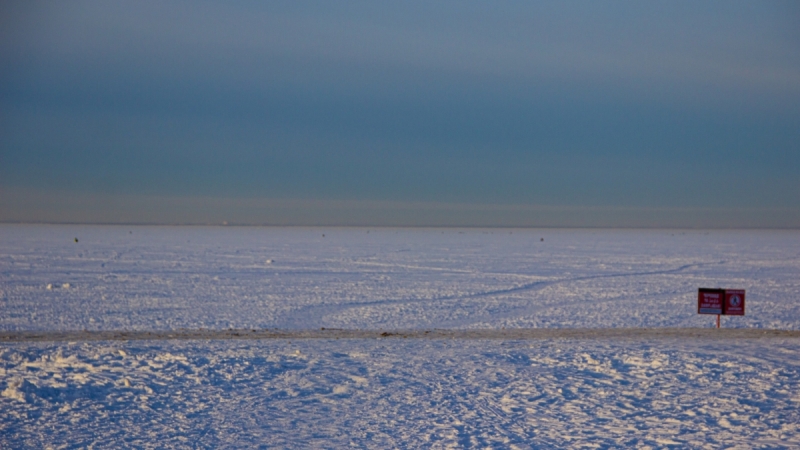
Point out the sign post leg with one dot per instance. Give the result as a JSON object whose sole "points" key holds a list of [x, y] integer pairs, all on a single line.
{"points": [[717, 320]]}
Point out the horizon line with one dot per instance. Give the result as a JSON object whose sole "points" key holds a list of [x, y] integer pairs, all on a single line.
{"points": [[23, 206]]}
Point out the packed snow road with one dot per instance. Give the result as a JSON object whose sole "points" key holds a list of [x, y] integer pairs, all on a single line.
{"points": [[471, 334]]}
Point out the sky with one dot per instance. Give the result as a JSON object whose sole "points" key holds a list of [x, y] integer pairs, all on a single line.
{"points": [[450, 113]]}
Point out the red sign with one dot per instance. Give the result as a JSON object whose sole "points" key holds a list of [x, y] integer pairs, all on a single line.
{"points": [[728, 302], [734, 302], [710, 301]]}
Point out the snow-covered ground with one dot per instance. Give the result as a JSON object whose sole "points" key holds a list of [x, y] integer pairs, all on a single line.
{"points": [[197, 277], [402, 393], [552, 392]]}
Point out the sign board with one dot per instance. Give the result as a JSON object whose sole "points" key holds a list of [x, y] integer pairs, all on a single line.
{"points": [[728, 302], [710, 301], [734, 302]]}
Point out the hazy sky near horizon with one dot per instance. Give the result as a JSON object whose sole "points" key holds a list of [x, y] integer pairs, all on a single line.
{"points": [[584, 106]]}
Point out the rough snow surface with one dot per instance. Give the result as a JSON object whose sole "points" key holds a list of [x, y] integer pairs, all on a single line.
{"points": [[402, 393], [474, 384]]}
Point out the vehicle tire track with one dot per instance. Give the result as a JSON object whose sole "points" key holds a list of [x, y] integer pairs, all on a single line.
{"points": [[317, 312]]}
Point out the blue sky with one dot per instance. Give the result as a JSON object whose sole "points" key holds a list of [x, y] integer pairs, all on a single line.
{"points": [[401, 113]]}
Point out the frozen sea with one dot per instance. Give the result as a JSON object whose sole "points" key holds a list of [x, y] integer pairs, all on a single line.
{"points": [[602, 390]]}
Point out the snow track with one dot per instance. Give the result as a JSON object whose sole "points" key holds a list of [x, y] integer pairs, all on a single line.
{"points": [[319, 312]]}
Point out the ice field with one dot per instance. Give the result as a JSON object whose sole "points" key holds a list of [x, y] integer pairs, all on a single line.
{"points": [[601, 390], [230, 277]]}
